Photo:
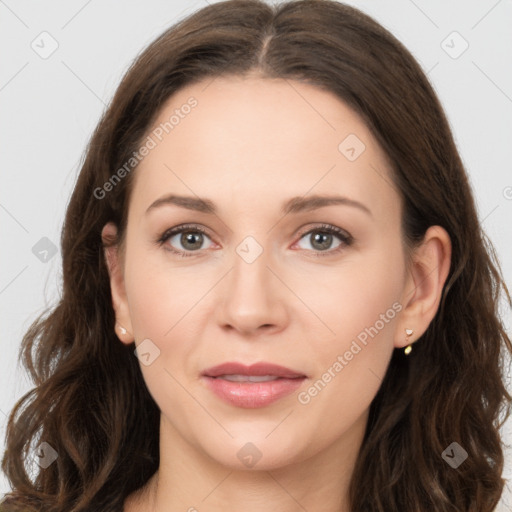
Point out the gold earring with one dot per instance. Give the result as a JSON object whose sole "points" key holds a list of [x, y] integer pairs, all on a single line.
{"points": [[408, 334]]}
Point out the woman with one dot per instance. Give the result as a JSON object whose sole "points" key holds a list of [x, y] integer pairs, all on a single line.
{"points": [[276, 291]]}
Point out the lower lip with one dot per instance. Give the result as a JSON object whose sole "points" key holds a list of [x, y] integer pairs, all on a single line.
{"points": [[251, 395]]}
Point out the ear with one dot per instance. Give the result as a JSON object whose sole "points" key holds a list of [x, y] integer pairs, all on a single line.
{"points": [[115, 264], [429, 268]]}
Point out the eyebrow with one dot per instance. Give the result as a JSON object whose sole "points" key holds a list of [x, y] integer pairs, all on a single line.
{"points": [[293, 205]]}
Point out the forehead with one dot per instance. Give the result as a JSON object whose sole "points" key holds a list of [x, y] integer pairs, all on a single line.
{"points": [[237, 139]]}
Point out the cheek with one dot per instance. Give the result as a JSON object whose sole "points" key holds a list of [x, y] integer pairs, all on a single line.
{"points": [[361, 307], [164, 302], [353, 297], [161, 306], [159, 295]]}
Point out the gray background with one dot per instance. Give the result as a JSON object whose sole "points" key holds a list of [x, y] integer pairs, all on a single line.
{"points": [[51, 105]]}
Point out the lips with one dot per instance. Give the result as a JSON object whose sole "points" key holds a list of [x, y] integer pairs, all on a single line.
{"points": [[252, 386], [255, 370]]}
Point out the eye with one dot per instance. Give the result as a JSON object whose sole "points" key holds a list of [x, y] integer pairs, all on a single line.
{"points": [[321, 238], [189, 237]]}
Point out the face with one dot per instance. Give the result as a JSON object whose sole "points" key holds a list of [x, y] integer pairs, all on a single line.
{"points": [[261, 272]]}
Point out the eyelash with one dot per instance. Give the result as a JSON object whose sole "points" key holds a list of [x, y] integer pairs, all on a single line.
{"points": [[344, 237]]}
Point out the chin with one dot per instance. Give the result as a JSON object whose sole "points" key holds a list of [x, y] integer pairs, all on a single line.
{"points": [[259, 452]]}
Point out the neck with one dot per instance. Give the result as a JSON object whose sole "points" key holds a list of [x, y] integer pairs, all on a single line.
{"points": [[189, 480]]}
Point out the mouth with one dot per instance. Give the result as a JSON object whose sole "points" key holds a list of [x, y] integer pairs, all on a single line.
{"points": [[252, 386], [247, 378]]}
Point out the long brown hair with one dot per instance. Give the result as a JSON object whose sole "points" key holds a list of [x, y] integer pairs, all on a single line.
{"points": [[90, 402]]}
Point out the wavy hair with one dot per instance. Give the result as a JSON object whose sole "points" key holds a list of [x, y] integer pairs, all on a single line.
{"points": [[90, 401]]}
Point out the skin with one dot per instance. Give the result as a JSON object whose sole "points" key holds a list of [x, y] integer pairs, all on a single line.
{"points": [[249, 145]]}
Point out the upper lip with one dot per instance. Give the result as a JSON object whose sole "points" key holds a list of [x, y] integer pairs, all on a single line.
{"points": [[257, 369]]}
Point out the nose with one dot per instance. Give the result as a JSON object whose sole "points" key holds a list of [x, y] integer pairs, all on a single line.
{"points": [[253, 299]]}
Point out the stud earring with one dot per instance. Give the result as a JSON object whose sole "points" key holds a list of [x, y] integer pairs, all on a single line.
{"points": [[408, 334], [122, 329]]}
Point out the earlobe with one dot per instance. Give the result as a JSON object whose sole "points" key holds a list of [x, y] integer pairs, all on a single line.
{"points": [[114, 264], [429, 269]]}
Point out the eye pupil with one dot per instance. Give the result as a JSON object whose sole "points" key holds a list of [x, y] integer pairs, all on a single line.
{"points": [[188, 239], [324, 240]]}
